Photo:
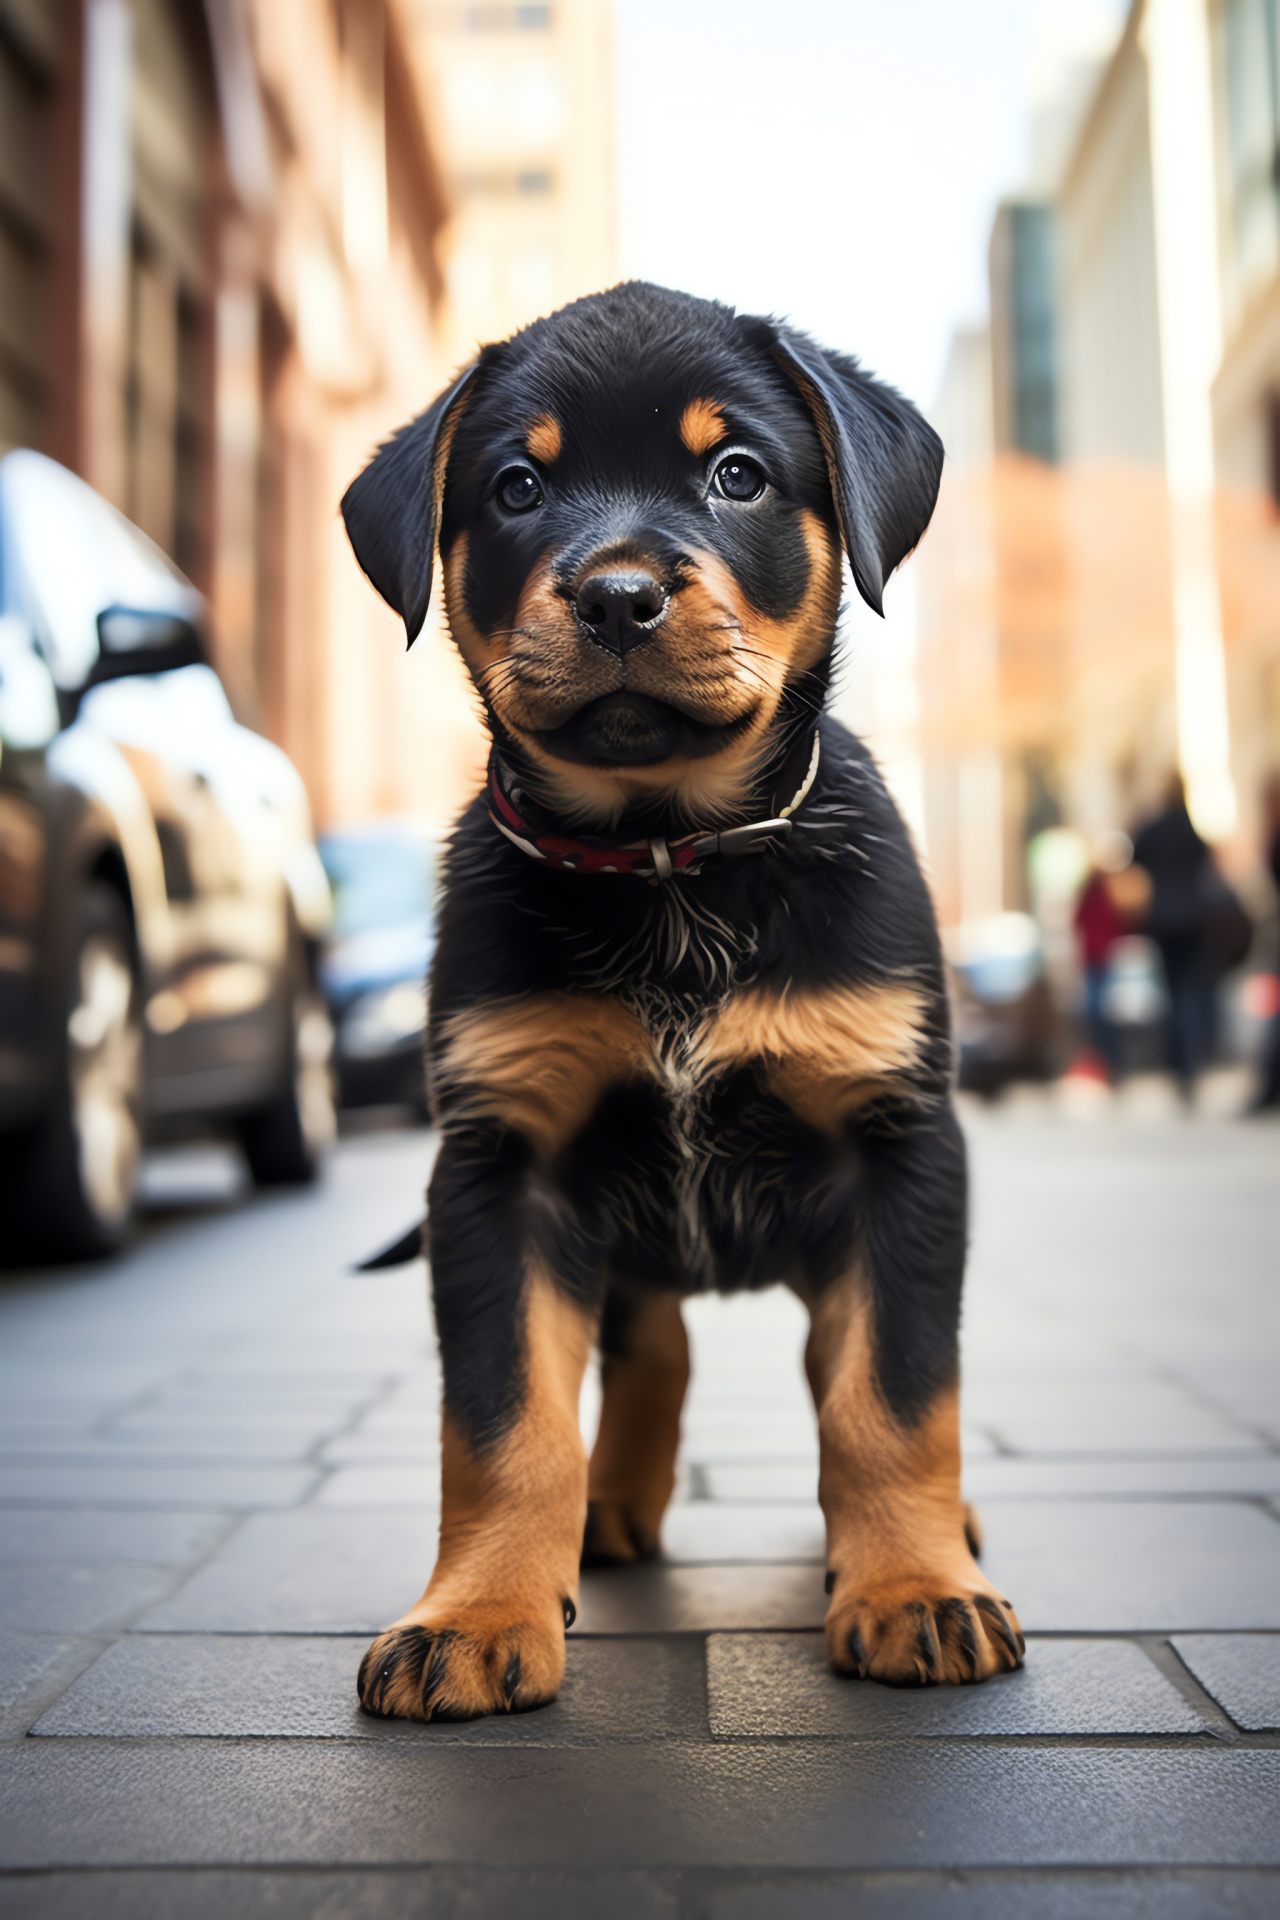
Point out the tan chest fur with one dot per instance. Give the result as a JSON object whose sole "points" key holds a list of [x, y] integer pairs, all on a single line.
{"points": [[541, 1063]]}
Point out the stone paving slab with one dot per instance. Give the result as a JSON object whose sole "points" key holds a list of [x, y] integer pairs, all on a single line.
{"points": [[737, 1435], [26, 1657], [767, 1481], [784, 1479], [1250, 1472], [658, 1599], [1082, 1566], [615, 1691], [306, 1571], [814, 1805], [284, 1385], [1255, 1474], [701, 1532], [414, 1392], [332, 1572], [92, 1484], [461, 1893], [1240, 1670], [78, 1394], [1249, 1395], [392, 1484], [289, 1409], [181, 1453], [1088, 1414], [1089, 1895], [779, 1686], [404, 1444], [88, 1537], [68, 1599], [34, 1433], [37, 1670], [272, 1442], [300, 1368], [440, 1894], [1097, 1566]]}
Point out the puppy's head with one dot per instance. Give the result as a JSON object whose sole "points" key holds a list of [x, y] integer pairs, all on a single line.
{"points": [[640, 505]]}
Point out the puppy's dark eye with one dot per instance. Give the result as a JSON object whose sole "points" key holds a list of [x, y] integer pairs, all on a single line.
{"points": [[518, 490], [738, 478]]}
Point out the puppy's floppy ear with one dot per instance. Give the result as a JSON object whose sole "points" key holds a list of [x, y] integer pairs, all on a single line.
{"points": [[392, 509], [883, 458]]}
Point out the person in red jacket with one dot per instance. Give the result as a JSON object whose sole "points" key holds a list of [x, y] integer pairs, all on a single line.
{"points": [[1102, 917]]}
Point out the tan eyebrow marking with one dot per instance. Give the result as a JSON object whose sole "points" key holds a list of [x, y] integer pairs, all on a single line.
{"points": [[543, 439], [701, 425]]}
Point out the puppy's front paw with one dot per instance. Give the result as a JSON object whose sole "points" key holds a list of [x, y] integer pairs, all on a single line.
{"points": [[922, 1630], [461, 1668]]}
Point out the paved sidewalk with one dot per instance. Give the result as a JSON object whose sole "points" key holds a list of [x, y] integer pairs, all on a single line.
{"points": [[217, 1477]]}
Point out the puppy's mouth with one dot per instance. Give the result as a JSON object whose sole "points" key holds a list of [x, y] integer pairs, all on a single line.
{"points": [[627, 729]]}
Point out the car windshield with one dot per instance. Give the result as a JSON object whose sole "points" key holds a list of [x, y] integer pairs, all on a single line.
{"points": [[378, 880]]}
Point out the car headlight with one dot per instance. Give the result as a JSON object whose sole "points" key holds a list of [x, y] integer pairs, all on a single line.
{"points": [[379, 1022]]}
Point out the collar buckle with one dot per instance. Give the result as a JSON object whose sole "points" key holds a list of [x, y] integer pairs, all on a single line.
{"points": [[732, 843]]}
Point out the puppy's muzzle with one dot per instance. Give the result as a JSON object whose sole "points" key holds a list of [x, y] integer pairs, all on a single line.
{"points": [[620, 610]]}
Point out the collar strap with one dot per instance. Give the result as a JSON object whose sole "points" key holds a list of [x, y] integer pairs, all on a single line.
{"points": [[653, 860]]}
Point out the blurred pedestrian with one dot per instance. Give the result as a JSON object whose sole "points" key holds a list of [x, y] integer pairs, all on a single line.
{"points": [[1197, 923], [1105, 913], [1269, 1092]]}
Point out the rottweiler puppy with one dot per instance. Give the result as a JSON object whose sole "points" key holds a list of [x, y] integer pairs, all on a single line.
{"points": [[688, 1022]]}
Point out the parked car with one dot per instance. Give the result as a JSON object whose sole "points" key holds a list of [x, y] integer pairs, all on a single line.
{"points": [[161, 897], [1006, 1025], [374, 967]]}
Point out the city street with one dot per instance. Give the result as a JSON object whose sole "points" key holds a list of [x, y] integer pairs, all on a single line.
{"points": [[218, 1463]]}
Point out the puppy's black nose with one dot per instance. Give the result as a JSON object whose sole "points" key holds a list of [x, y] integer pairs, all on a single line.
{"points": [[621, 609]]}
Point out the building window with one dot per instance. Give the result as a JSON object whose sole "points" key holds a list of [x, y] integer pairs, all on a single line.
{"points": [[530, 19], [1251, 72], [168, 373], [1024, 329], [1273, 445], [29, 49], [533, 183]]}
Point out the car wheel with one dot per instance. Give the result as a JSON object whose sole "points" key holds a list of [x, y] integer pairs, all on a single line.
{"points": [[73, 1185], [285, 1142]]}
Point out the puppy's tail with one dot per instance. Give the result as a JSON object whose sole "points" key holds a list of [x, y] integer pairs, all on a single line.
{"points": [[410, 1246]]}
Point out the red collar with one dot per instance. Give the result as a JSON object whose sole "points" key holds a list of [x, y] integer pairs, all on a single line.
{"points": [[653, 860]]}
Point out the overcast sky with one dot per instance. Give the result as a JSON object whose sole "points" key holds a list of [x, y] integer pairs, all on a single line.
{"points": [[835, 160]]}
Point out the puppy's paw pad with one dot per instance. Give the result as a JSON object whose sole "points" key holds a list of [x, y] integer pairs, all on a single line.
{"points": [[918, 1634], [453, 1672]]}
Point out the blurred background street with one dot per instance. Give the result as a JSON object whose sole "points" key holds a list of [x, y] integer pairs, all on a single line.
{"points": [[241, 241]]}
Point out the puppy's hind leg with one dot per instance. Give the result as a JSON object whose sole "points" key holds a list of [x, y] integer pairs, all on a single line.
{"points": [[644, 1359]]}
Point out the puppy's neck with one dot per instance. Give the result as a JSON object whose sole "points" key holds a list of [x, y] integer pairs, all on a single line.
{"points": [[704, 795]]}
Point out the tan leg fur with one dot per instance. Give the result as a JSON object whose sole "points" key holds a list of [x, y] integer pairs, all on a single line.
{"points": [[909, 1604], [487, 1636], [633, 1463]]}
